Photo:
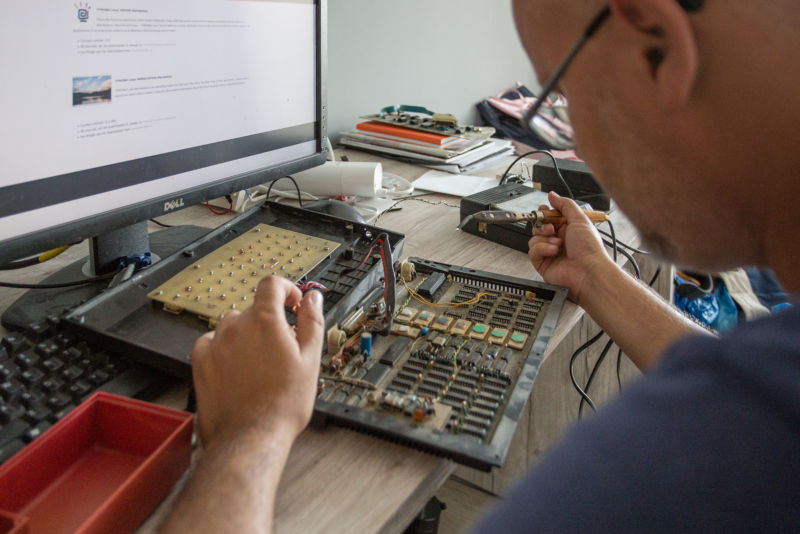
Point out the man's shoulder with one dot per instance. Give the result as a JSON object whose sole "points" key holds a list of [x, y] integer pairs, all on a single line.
{"points": [[759, 359], [719, 418]]}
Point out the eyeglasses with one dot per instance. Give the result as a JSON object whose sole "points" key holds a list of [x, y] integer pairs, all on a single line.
{"points": [[547, 118]]}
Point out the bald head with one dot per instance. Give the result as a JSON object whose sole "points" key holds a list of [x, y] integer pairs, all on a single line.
{"points": [[670, 109]]}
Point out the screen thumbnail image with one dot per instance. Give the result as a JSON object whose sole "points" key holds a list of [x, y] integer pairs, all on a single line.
{"points": [[91, 90]]}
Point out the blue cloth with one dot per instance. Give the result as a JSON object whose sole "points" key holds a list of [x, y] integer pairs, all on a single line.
{"points": [[709, 441], [766, 287]]}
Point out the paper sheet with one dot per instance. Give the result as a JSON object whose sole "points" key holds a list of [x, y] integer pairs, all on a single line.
{"points": [[460, 185]]}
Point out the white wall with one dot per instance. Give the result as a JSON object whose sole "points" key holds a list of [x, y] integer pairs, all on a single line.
{"points": [[446, 55]]}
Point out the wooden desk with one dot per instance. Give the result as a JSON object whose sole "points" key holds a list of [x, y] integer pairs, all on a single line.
{"points": [[338, 480]]}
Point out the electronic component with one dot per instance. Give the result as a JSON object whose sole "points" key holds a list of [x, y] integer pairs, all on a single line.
{"points": [[498, 336], [448, 386], [405, 330], [431, 285], [406, 315], [353, 321], [479, 331], [407, 271], [227, 278], [366, 343], [335, 338], [517, 340], [461, 327], [442, 322], [424, 318], [395, 351], [577, 175]]}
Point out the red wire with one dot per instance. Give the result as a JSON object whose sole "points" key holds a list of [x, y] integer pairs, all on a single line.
{"points": [[227, 211], [369, 253]]}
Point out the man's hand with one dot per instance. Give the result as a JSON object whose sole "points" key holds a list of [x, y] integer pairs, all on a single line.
{"points": [[255, 373], [566, 255]]}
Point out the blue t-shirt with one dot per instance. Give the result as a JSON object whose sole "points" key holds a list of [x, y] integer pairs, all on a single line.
{"points": [[709, 441]]}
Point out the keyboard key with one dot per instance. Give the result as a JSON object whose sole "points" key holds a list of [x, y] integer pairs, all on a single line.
{"points": [[58, 401], [27, 359], [15, 343], [8, 413], [36, 431], [7, 370], [10, 449], [99, 377], [39, 331], [72, 353], [32, 376], [12, 431], [52, 384], [3, 353], [72, 373], [11, 389], [64, 411], [47, 348], [53, 364], [32, 397], [37, 413], [80, 389]]}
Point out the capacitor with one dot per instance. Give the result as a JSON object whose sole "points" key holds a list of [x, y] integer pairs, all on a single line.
{"points": [[366, 343]]}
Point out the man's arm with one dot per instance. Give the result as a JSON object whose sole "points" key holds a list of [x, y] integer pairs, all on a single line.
{"points": [[637, 319], [255, 378]]}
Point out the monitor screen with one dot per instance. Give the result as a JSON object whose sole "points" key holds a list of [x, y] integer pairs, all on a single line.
{"points": [[116, 111]]}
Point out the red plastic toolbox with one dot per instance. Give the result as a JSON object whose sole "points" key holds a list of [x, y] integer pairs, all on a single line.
{"points": [[103, 468]]}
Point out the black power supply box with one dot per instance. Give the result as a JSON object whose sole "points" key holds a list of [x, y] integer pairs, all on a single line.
{"points": [[577, 175], [508, 197]]}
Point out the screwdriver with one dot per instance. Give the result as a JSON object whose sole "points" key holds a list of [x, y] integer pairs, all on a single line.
{"points": [[537, 217]]}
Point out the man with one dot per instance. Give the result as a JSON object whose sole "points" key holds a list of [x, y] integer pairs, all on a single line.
{"points": [[687, 113]]}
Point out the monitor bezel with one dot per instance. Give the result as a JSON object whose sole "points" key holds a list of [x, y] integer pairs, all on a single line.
{"points": [[79, 229]]}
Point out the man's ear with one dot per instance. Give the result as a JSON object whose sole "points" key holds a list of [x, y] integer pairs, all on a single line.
{"points": [[668, 46]]}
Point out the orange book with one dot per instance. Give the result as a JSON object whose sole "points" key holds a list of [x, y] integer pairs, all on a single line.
{"points": [[405, 133]]}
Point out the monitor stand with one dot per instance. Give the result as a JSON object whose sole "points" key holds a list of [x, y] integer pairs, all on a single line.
{"points": [[36, 305]]}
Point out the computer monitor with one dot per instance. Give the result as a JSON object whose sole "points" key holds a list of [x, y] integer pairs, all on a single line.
{"points": [[114, 112]]}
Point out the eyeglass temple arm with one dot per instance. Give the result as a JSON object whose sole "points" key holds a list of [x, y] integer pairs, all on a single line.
{"points": [[554, 79]]}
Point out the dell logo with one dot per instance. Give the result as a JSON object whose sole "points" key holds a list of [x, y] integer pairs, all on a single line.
{"points": [[173, 204]]}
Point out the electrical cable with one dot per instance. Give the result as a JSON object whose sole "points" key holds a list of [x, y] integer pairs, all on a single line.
{"points": [[162, 225], [614, 245], [417, 199], [297, 187], [59, 285], [575, 384], [596, 367], [34, 260], [224, 212], [624, 245], [629, 257], [619, 352], [555, 164]]}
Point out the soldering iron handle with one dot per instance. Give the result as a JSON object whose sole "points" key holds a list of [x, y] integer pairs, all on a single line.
{"points": [[555, 216]]}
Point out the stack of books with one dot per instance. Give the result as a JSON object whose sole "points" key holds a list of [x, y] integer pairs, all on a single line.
{"points": [[451, 154]]}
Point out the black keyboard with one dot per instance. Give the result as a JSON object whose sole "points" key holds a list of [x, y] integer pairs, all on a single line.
{"points": [[46, 372]]}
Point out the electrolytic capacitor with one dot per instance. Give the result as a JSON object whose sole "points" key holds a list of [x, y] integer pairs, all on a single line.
{"points": [[366, 343]]}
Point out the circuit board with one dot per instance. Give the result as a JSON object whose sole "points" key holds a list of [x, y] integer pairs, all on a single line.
{"points": [[452, 364], [443, 360], [425, 123], [226, 278]]}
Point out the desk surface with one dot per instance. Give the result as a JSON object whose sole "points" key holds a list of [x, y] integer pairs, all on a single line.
{"points": [[338, 480]]}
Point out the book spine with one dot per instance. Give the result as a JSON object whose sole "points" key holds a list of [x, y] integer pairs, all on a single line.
{"points": [[438, 152], [388, 129]]}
